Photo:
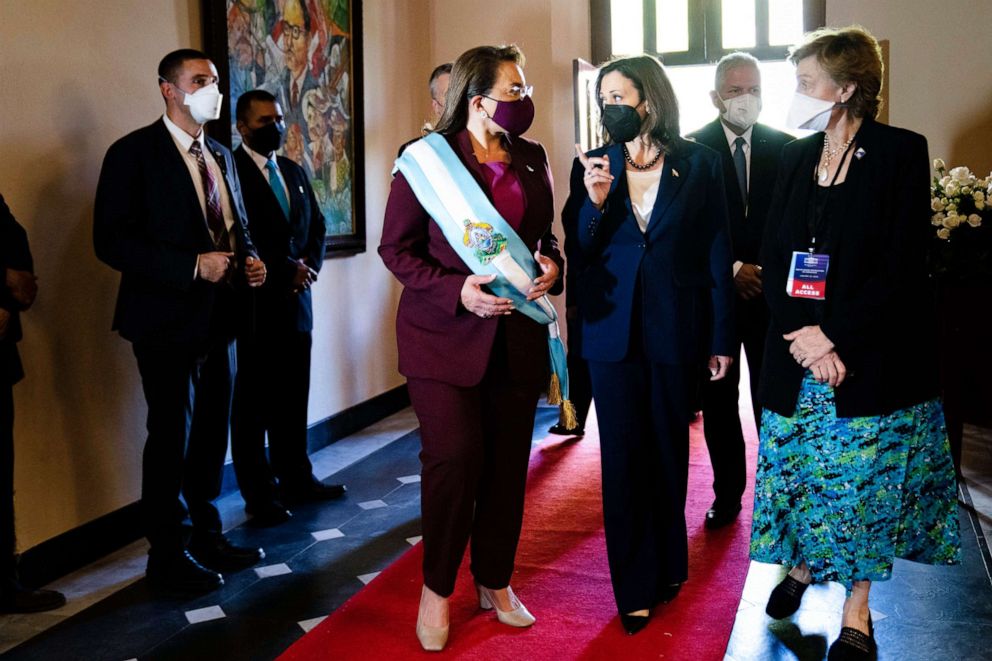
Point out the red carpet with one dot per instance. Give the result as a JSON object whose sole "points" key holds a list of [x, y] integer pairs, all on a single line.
{"points": [[563, 578]]}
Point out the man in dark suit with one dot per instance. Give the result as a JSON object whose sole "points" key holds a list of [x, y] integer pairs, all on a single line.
{"points": [[17, 292], [170, 218], [750, 154], [273, 382]]}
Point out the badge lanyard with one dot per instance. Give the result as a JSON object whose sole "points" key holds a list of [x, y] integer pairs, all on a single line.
{"points": [[817, 218]]}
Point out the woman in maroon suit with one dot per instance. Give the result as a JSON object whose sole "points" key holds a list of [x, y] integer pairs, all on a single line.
{"points": [[475, 367]]}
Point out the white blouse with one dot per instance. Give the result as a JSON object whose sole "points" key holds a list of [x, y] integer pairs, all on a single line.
{"points": [[643, 190]]}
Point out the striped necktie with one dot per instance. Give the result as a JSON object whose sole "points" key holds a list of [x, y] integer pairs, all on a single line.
{"points": [[215, 215], [275, 183]]}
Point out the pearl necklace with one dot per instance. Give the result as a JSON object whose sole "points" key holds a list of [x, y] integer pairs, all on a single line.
{"points": [[828, 155], [637, 166]]}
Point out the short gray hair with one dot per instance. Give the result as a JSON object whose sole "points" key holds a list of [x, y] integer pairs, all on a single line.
{"points": [[732, 61]]}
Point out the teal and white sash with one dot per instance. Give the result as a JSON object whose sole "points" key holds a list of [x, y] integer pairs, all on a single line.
{"points": [[482, 238]]}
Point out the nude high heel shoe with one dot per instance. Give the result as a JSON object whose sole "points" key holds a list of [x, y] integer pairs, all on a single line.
{"points": [[518, 617], [432, 639]]}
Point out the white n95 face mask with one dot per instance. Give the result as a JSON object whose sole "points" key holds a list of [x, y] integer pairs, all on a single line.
{"points": [[741, 111], [204, 104], [808, 112]]}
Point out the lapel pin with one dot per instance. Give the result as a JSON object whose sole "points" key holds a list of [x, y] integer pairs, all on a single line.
{"points": [[860, 153], [301, 188], [675, 172], [529, 168]]}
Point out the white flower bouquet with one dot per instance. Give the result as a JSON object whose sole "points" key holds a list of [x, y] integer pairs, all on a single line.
{"points": [[962, 205]]}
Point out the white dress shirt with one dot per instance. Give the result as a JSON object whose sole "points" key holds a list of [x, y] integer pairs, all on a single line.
{"points": [[183, 142]]}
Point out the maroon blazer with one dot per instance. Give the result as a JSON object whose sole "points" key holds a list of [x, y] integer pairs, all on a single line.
{"points": [[437, 337]]}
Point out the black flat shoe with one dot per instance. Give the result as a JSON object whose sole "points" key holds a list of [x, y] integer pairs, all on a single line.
{"points": [[785, 598], [15, 598], [180, 573], [718, 517], [310, 492], [669, 592], [854, 645], [216, 552], [633, 623], [267, 514], [561, 430]]}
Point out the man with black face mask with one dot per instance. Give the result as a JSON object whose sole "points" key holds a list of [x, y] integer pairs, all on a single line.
{"points": [[273, 381]]}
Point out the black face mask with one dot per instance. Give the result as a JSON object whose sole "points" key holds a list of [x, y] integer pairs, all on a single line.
{"points": [[267, 139], [621, 122]]}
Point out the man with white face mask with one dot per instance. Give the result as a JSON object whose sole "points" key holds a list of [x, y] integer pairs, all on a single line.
{"points": [[750, 154], [169, 216]]}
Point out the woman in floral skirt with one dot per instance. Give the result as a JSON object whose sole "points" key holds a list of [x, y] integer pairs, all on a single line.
{"points": [[854, 468]]}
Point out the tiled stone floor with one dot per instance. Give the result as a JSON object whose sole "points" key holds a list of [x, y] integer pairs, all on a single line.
{"points": [[328, 552]]}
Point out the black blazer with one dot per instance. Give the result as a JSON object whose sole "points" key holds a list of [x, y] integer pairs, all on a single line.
{"points": [[747, 225], [879, 303], [681, 265], [14, 254], [148, 225], [279, 240]]}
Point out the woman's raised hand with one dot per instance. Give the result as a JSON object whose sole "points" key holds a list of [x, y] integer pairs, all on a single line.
{"points": [[597, 177]]}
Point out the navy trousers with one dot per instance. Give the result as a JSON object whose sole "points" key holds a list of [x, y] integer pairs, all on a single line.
{"points": [[643, 410]]}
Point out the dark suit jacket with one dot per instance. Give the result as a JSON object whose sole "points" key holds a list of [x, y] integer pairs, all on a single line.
{"points": [[14, 254], [148, 225], [681, 266], [879, 304], [747, 225], [437, 338], [279, 240]]}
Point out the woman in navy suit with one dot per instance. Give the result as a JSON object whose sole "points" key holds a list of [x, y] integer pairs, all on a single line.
{"points": [[656, 301]]}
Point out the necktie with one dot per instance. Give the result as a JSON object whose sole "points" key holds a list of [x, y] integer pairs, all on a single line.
{"points": [[295, 96], [276, 185], [215, 215], [740, 165]]}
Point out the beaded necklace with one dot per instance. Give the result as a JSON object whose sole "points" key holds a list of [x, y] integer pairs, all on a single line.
{"points": [[646, 166]]}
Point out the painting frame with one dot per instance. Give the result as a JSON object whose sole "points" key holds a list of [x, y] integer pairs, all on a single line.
{"points": [[342, 117]]}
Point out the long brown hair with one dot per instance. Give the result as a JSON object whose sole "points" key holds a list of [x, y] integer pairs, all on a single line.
{"points": [[648, 77], [474, 73]]}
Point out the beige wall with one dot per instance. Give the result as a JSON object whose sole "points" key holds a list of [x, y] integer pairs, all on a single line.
{"points": [[75, 77], [940, 81]]}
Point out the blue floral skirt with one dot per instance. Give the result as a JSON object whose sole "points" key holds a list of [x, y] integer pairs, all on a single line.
{"points": [[848, 495]]}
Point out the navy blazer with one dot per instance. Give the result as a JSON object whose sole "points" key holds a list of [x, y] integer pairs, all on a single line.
{"points": [[879, 309], [681, 264], [14, 254], [437, 338], [148, 224], [280, 240], [747, 223]]}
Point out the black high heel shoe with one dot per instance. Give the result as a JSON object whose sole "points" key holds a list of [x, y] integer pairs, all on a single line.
{"points": [[854, 645], [785, 598], [633, 623]]}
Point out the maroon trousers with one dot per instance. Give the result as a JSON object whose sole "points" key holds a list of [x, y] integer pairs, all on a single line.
{"points": [[475, 450]]}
